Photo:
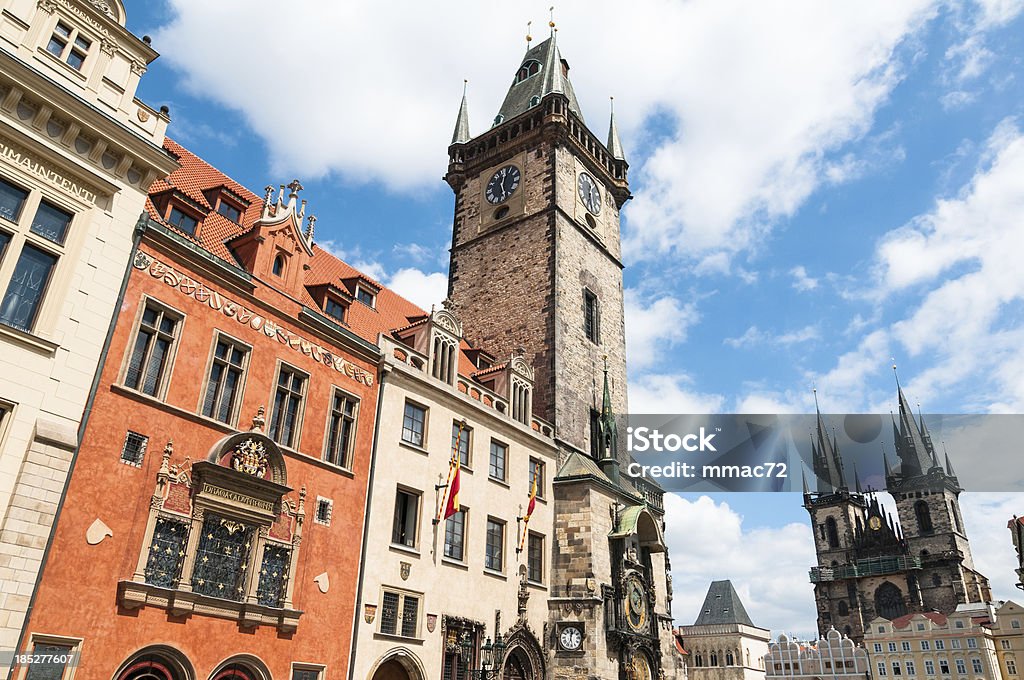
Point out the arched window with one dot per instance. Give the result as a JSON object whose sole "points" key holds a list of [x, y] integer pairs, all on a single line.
{"points": [[156, 663], [924, 517], [953, 514], [889, 602], [714, 658], [698, 660], [534, 100], [729, 659], [279, 265], [530, 68], [832, 531], [844, 609]]}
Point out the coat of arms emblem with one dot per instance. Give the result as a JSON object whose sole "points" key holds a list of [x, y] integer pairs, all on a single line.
{"points": [[406, 567], [250, 457], [369, 613], [431, 622]]}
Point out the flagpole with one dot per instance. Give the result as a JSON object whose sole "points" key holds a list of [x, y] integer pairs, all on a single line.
{"points": [[453, 465]]}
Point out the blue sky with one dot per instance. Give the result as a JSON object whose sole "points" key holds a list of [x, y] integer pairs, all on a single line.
{"points": [[819, 187]]}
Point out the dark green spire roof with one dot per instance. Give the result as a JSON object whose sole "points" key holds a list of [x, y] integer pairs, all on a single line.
{"points": [[723, 606], [461, 133], [541, 72]]}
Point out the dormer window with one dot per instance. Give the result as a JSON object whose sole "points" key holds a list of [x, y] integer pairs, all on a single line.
{"points": [[229, 211], [534, 100], [67, 45], [182, 221], [530, 68], [335, 310], [278, 268], [365, 296]]}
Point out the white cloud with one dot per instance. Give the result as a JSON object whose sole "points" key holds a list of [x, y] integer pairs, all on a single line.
{"points": [[754, 337], [985, 517], [421, 288], [655, 327], [730, 155], [711, 542], [666, 393]]}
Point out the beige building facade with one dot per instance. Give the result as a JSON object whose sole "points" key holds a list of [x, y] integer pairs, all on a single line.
{"points": [[831, 657], [433, 593], [1008, 631], [77, 153], [960, 646]]}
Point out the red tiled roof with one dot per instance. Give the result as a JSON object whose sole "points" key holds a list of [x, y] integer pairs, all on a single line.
{"points": [[196, 176], [937, 618]]}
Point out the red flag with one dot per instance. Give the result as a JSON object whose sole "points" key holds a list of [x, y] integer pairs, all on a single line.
{"points": [[453, 493], [533, 501]]}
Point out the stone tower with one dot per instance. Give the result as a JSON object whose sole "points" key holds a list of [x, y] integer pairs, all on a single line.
{"points": [[870, 564], [536, 272], [535, 258], [723, 643]]}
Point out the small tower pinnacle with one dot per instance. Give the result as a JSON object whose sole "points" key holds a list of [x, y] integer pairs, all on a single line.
{"points": [[614, 145], [461, 134]]}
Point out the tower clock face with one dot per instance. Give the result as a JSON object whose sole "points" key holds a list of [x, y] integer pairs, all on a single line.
{"points": [[590, 194], [636, 605], [571, 638], [503, 184]]}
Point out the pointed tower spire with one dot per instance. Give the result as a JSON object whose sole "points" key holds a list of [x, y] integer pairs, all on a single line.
{"points": [[856, 479], [828, 466], [542, 72], [885, 463], [609, 460], [614, 145], [949, 464], [911, 449], [461, 134], [803, 476], [553, 80]]}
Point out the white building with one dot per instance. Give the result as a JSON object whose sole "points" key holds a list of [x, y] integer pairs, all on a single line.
{"points": [[833, 656], [77, 153]]}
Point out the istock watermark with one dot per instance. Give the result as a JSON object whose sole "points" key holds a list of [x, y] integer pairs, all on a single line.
{"points": [[821, 453]]}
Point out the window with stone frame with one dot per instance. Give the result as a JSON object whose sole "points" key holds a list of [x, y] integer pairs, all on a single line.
{"points": [[414, 424], [455, 535], [494, 549], [496, 468], [222, 535], [69, 45], [591, 316], [44, 227], [53, 657], [307, 672], [133, 451], [400, 613], [341, 429], [152, 352], [537, 473], [461, 436], [406, 518], [535, 557], [289, 398], [225, 379]]}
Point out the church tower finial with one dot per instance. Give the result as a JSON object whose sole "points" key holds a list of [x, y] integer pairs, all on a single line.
{"points": [[461, 134], [614, 145]]}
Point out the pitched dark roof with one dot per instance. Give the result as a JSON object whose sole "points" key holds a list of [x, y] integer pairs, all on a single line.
{"points": [[551, 77], [722, 606]]}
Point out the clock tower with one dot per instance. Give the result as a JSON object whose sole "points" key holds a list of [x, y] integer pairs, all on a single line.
{"points": [[536, 272]]}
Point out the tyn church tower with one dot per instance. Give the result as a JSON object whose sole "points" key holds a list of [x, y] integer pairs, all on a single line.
{"points": [[870, 564], [536, 271]]}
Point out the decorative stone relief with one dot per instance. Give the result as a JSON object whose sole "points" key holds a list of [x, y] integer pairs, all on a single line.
{"points": [[97, 531], [323, 582]]}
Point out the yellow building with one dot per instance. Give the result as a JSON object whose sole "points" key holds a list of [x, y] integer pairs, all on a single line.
{"points": [[1009, 639], [960, 646]]}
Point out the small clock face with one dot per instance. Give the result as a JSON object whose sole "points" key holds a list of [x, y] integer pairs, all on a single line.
{"points": [[590, 194], [636, 605], [571, 638], [875, 523], [503, 184]]}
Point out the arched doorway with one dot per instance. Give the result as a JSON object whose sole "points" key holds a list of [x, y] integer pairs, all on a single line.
{"points": [[392, 670], [517, 667]]}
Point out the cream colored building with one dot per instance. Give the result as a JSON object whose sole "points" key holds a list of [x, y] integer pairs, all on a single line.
{"points": [[960, 646], [77, 153], [723, 643], [1008, 632], [427, 587], [830, 657]]}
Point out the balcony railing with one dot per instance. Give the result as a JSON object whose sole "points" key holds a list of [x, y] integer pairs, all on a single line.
{"points": [[874, 566]]}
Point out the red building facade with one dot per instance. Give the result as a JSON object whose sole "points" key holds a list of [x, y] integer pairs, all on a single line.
{"points": [[213, 522]]}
